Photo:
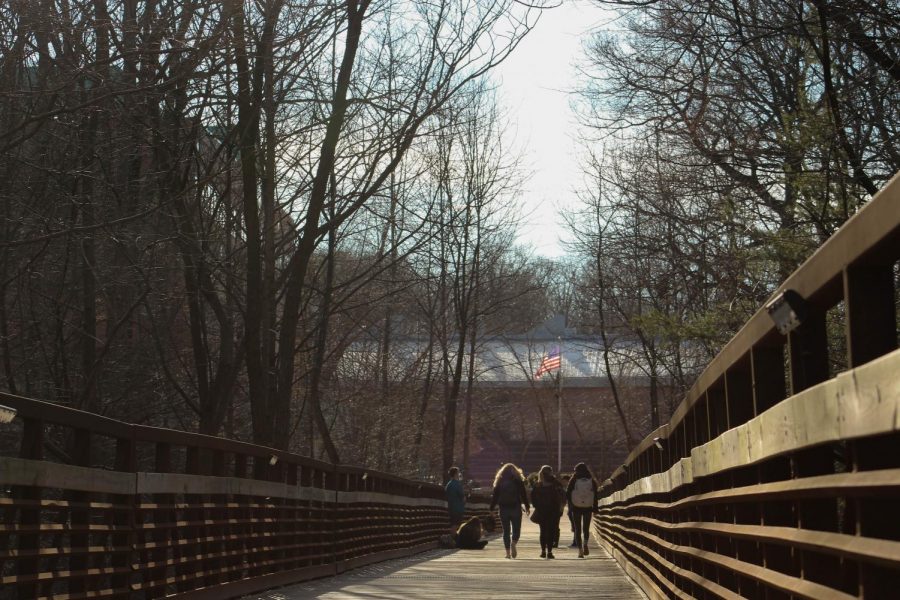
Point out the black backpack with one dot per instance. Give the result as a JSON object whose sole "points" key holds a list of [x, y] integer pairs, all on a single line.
{"points": [[507, 493]]}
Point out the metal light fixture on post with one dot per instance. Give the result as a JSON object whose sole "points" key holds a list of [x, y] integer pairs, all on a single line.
{"points": [[7, 414], [787, 310]]}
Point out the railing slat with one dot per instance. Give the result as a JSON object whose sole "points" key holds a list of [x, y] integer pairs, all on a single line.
{"points": [[758, 494], [198, 521]]}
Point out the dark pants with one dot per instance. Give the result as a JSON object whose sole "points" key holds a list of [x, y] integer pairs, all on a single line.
{"points": [[511, 520], [549, 532], [582, 521], [571, 512]]}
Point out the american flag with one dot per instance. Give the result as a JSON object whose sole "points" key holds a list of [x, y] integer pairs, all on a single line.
{"points": [[551, 362]]}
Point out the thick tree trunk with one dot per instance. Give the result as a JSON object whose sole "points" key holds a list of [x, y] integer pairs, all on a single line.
{"points": [[450, 405], [314, 399], [470, 384], [426, 394], [299, 263], [248, 138]]}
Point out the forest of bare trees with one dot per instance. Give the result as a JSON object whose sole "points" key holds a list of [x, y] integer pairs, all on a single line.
{"points": [[229, 217], [205, 205], [725, 141]]}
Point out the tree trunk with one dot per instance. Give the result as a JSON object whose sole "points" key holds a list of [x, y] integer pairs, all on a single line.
{"points": [[315, 378], [248, 138], [470, 384], [299, 262]]}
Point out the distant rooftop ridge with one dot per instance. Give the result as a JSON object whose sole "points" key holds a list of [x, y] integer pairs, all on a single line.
{"points": [[511, 360], [551, 329]]}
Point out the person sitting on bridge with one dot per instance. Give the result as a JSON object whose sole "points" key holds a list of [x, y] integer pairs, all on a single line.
{"points": [[582, 496], [510, 494], [468, 536], [456, 498], [549, 500]]}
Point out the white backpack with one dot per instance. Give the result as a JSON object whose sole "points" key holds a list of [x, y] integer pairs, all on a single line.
{"points": [[583, 493]]}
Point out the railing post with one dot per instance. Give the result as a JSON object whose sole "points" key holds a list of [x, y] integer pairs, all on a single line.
{"points": [[219, 513], [241, 545], [190, 534], [126, 462], [702, 429], [334, 514], [79, 517], [871, 312], [290, 513], [261, 472], [767, 372], [163, 517], [818, 514], [876, 516], [33, 448], [739, 393], [717, 410], [808, 351]]}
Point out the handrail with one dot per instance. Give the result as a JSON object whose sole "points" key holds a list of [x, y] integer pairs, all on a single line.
{"points": [[768, 412], [161, 512]]}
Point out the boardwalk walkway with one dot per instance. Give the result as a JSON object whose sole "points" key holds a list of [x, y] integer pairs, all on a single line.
{"points": [[476, 574]]}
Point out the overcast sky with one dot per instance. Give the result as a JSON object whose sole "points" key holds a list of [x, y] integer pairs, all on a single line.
{"points": [[536, 82]]}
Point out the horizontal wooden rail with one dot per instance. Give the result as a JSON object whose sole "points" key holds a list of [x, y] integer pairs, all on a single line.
{"points": [[142, 512], [779, 474]]}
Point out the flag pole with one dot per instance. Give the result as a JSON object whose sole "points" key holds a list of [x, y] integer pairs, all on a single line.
{"points": [[559, 416]]}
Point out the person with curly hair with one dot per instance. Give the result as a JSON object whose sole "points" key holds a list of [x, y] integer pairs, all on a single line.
{"points": [[510, 495]]}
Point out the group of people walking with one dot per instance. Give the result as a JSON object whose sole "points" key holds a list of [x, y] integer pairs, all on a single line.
{"points": [[549, 499]]}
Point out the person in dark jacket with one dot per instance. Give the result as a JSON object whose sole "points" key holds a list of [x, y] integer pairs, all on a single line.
{"points": [[510, 495], [456, 498], [581, 495], [548, 499]]}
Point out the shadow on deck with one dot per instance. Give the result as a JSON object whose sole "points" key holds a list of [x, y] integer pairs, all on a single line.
{"points": [[481, 574]]}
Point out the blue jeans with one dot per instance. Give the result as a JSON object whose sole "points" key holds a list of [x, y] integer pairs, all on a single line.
{"points": [[511, 518]]}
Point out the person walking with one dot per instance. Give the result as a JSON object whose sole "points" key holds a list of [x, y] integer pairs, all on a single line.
{"points": [[456, 498], [510, 495], [564, 480], [581, 494], [548, 499]]}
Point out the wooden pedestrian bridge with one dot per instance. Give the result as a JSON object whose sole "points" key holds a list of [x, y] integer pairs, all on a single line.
{"points": [[778, 476]]}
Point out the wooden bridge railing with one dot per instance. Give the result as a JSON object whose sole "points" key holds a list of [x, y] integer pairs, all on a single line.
{"points": [[96, 507], [778, 476]]}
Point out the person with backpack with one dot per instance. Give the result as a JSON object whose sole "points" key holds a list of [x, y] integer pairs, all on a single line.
{"points": [[564, 480], [582, 497], [510, 495], [548, 499]]}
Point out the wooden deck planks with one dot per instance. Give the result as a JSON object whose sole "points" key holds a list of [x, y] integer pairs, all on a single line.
{"points": [[482, 574]]}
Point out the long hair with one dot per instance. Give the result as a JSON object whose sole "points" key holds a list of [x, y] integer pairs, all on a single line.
{"points": [[510, 471], [582, 471], [546, 474]]}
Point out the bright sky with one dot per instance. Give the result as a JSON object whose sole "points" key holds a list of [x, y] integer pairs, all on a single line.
{"points": [[536, 82]]}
